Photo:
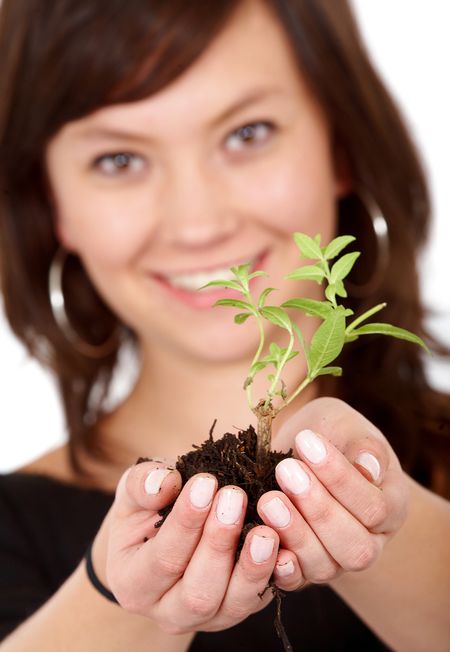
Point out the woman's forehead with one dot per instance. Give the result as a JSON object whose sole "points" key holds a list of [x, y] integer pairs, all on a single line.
{"points": [[249, 62]]}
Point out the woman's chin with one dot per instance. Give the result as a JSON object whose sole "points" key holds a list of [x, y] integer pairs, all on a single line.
{"points": [[225, 343], [227, 347]]}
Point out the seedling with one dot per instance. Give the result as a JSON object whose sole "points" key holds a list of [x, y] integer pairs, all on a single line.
{"points": [[246, 460], [337, 328]]}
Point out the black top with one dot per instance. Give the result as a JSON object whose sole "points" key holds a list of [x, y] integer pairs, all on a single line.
{"points": [[46, 526]]}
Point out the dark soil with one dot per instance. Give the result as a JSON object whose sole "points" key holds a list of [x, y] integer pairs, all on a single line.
{"points": [[232, 460]]}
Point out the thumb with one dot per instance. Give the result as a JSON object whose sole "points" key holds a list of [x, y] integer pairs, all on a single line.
{"points": [[146, 486], [141, 492]]}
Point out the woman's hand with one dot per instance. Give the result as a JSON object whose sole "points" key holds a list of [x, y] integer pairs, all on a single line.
{"points": [[342, 498], [184, 577]]}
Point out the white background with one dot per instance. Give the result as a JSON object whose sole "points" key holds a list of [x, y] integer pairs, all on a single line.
{"points": [[408, 41]]}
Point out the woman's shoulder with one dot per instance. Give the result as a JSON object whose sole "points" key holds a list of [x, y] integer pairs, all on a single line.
{"points": [[52, 464], [43, 500], [47, 520], [54, 467], [44, 496]]}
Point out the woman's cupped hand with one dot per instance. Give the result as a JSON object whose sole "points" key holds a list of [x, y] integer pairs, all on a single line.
{"points": [[342, 496], [183, 575]]}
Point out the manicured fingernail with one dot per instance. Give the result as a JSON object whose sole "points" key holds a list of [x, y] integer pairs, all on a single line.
{"points": [[370, 463], [311, 446], [229, 506], [202, 491], [154, 481], [276, 512], [293, 476], [285, 569], [261, 548]]}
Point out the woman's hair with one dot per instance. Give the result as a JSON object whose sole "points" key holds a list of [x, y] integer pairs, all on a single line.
{"points": [[62, 60]]}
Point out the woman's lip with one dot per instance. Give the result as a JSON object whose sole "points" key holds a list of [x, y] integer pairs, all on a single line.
{"points": [[209, 268], [200, 299]]}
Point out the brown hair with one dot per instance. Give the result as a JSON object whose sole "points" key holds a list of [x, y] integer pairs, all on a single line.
{"points": [[67, 59]]}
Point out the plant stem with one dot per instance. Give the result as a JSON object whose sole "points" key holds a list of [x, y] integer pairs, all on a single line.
{"points": [[265, 417], [306, 381], [259, 321], [283, 361], [363, 317]]}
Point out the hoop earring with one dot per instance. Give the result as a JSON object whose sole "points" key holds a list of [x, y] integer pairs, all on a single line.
{"points": [[381, 233], [58, 308]]}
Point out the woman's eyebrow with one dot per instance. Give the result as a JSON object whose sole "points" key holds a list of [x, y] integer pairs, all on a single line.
{"points": [[252, 97], [121, 134]]}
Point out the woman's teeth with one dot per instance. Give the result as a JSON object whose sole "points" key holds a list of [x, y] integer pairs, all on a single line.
{"points": [[196, 280]]}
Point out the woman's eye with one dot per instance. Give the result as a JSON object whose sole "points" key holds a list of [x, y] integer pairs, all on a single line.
{"points": [[255, 133], [119, 163]]}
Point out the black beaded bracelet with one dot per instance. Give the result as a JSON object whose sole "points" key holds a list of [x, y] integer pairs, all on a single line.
{"points": [[94, 579]]}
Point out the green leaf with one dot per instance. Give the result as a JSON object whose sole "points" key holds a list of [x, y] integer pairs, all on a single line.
{"points": [[275, 350], [270, 359], [307, 272], [309, 248], [259, 272], [394, 331], [340, 289], [309, 306], [241, 317], [235, 303], [258, 366], [303, 344], [277, 316], [317, 238], [332, 371], [263, 296], [343, 266], [271, 378], [337, 245], [299, 335], [365, 316], [241, 271], [231, 285], [330, 292], [327, 341]]}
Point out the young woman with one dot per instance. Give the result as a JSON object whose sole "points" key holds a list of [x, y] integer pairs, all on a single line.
{"points": [[145, 148]]}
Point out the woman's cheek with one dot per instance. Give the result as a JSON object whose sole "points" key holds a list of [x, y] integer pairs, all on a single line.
{"points": [[111, 230], [291, 196]]}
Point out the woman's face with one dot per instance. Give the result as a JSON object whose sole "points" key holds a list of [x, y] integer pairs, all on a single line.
{"points": [[158, 197]]}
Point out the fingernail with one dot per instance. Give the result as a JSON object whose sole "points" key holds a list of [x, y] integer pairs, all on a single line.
{"points": [[370, 463], [229, 506], [293, 476], [285, 569], [202, 491], [261, 548], [311, 446], [276, 512], [154, 481]]}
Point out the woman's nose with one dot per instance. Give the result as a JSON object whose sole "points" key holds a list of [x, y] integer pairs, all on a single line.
{"points": [[195, 208]]}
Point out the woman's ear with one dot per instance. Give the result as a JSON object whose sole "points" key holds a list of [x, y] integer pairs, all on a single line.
{"points": [[62, 235], [343, 177]]}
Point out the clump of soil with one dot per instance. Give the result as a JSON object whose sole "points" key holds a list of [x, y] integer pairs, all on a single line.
{"points": [[233, 460]]}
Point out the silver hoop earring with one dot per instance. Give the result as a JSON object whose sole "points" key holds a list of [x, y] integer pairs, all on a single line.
{"points": [[57, 304], [381, 233]]}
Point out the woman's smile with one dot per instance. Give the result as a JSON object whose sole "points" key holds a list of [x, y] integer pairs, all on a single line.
{"points": [[187, 287], [161, 196]]}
